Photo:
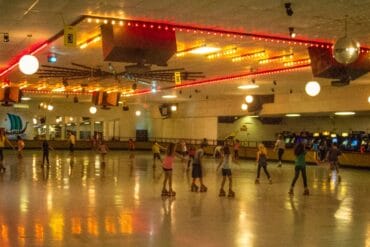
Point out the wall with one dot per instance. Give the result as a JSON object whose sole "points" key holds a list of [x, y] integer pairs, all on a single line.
{"points": [[256, 131], [128, 122]]}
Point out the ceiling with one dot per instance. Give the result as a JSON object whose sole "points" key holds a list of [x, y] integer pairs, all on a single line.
{"points": [[312, 20]]}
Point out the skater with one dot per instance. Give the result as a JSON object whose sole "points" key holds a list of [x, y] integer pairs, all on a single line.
{"points": [[226, 171], [217, 152], [45, 152], [103, 150], [20, 147], [300, 166], [156, 149], [184, 150], [197, 172], [72, 142], [332, 158], [191, 156], [3, 141], [262, 163], [167, 168], [236, 150], [280, 148]]}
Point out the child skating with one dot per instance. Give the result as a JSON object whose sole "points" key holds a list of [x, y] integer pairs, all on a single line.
{"points": [[300, 166], [262, 163], [167, 168], [45, 152], [103, 150], [156, 149], [197, 172], [332, 158], [20, 147], [226, 171]]}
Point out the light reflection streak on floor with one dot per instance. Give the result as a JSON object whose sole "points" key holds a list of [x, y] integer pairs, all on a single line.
{"points": [[78, 200]]}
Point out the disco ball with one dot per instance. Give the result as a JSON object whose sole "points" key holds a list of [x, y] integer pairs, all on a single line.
{"points": [[346, 50]]}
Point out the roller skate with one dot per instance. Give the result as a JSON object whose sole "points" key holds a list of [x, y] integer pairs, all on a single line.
{"points": [[306, 192], [165, 193], [171, 193], [231, 193], [194, 188], [291, 192], [257, 181], [203, 188], [222, 193]]}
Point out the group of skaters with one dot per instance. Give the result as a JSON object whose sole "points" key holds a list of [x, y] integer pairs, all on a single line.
{"points": [[224, 154]]}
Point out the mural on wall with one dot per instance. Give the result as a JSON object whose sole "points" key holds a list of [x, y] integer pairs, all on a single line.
{"points": [[15, 125]]}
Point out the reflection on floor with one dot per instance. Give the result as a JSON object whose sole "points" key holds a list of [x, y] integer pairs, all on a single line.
{"points": [[78, 201]]}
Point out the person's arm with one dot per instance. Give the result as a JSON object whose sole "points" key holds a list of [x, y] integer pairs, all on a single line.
{"points": [[221, 161], [9, 143]]}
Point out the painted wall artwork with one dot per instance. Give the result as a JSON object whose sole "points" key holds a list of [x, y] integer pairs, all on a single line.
{"points": [[14, 125]]}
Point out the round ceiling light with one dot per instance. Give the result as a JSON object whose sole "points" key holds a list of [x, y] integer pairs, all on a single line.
{"points": [[345, 113], [173, 108], [50, 107], [312, 88], [138, 113], [244, 107], [249, 99], [28, 64], [346, 50], [93, 109]]}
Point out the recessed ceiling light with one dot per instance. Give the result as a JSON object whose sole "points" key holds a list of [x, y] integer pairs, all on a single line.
{"points": [[25, 98], [345, 113], [249, 86], [170, 96], [293, 115], [204, 50]]}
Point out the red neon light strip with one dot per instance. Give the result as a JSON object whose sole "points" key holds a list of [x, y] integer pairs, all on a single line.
{"points": [[225, 78]]}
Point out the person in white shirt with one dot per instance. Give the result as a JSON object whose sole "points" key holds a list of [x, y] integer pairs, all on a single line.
{"points": [[280, 148]]}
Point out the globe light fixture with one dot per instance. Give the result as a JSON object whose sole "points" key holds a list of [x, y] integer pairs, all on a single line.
{"points": [[173, 108], [312, 88], [249, 99], [93, 109], [28, 64], [244, 107], [50, 107], [138, 113]]}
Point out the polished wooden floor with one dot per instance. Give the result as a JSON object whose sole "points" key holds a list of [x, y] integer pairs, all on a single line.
{"points": [[80, 201]]}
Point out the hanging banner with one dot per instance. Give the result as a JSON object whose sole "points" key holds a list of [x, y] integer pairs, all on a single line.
{"points": [[177, 78], [70, 39]]}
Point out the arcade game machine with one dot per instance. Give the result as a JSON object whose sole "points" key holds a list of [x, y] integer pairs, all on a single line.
{"points": [[364, 146], [355, 139], [334, 138], [345, 144]]}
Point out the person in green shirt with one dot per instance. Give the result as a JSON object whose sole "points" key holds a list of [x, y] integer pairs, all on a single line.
{"points": [[300, 166]]}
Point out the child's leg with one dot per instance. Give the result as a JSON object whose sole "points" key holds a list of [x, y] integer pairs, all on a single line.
{"points": [[266, 172], [47, 158], [258, 171], [223, 182], [43, 157], [230, 183], [295, 176], [165, 180], [304, 176], [170, 180]]}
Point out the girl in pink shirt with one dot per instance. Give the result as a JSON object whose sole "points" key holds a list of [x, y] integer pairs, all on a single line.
{"points": [[167, 168]]}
